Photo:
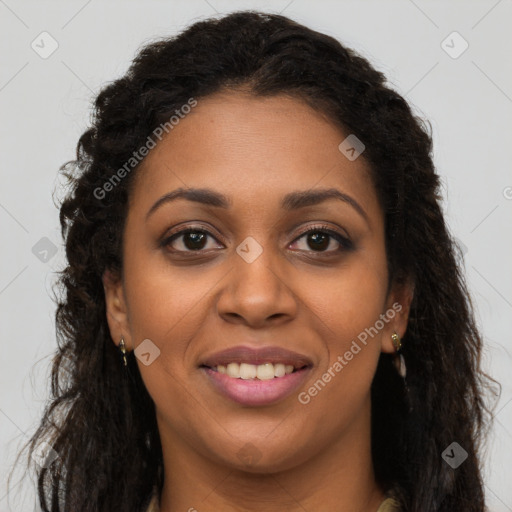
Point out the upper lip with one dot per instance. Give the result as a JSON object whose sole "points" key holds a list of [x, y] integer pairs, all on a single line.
{"points": [[256, 356]]}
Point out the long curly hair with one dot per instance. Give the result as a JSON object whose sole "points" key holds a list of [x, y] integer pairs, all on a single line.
{"points": [[100, 419]]}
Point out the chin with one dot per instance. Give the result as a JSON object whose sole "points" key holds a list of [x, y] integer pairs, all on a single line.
{"points": [[262, 457]]}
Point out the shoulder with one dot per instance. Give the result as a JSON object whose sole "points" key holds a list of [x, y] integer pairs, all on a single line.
{"points": [[153, 505], [389, 505]]}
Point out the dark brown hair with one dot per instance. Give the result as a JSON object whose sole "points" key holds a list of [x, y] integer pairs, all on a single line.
{"points": [[100, 418]]}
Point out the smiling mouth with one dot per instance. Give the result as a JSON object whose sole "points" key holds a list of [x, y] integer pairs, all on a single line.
{"points": [[248, 371]]}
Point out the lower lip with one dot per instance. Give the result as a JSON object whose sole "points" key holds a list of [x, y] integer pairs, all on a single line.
{"points": [[255, 392]]}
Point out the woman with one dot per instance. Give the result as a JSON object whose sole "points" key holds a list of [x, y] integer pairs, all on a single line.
{"points": [[263, 309]]}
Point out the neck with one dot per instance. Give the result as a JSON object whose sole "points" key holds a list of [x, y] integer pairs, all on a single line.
{"points": [[340, 478]]}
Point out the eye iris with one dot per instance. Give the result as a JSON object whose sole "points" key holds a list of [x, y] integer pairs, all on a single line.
{"points": [[320, 240], [194, 237]]}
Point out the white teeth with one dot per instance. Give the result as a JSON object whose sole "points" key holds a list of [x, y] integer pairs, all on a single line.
{"points": [[248, 371], [233, 370], [265, 371], [279, 370]]}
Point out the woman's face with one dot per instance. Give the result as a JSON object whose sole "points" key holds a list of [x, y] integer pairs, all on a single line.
{"points": [[247, 278]]}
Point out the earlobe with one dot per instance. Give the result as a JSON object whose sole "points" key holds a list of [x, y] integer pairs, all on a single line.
{"points": [[399, 306], [115, 306]]}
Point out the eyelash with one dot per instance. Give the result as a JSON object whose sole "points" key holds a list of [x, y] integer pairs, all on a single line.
{"points": [[345, 243]]}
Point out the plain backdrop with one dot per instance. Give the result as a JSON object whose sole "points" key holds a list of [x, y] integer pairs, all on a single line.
{"points": [[451, 60]]}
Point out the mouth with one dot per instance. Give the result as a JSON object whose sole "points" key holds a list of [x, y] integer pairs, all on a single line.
{"points": [[248, 371], [256, 377]]}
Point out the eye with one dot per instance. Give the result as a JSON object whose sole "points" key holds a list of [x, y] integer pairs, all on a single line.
{"points": [[319, 239], [192, 239], [195, 239]]}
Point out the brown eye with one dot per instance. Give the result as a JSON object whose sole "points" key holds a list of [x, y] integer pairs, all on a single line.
{"points": [[319, 239], [191, 240]]}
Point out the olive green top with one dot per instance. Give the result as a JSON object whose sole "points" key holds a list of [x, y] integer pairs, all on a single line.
{"points": [[388, 505]]}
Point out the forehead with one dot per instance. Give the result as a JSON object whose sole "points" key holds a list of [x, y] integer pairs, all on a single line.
{"points": [[252, 149]]}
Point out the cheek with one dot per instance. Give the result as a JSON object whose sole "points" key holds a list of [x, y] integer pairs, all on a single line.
{"points": [[349, 300], [350, 354], [347, 315], [168, 305], [168, 309]]}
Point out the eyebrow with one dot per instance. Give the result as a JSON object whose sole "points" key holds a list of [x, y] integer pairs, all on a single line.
{"points": [[290, 202]]}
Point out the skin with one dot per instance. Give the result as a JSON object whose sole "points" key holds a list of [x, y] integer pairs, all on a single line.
{"points": [[255, 151]]}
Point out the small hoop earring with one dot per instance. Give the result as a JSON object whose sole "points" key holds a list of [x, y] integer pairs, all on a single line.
{"points": [[397, 342], [398, 359], [123, 350]]}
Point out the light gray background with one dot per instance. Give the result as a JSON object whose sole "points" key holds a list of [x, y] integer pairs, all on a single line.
{"points": [[45, 106]]}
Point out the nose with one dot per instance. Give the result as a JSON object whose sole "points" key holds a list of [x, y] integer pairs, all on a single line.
{"points": [[258, 293]]}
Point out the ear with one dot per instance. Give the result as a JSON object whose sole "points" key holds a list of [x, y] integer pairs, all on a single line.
{"points": [[116, 309], [398, 306]]}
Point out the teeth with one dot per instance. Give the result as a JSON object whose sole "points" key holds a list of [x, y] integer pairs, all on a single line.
{"points": [[233, 370], [248, 371], [265, 371], [280, 370]]}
